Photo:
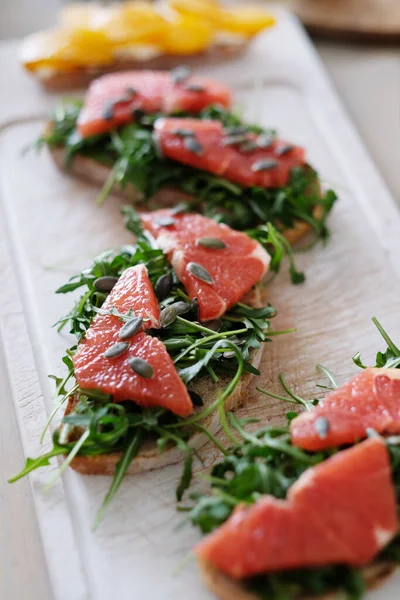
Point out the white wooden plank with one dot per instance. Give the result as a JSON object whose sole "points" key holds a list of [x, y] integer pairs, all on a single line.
{"points": [[53, 228]]}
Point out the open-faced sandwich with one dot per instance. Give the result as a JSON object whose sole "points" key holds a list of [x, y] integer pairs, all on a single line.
{"points": [[160, 138], [169, 332], [309, 510], [92, 38]]}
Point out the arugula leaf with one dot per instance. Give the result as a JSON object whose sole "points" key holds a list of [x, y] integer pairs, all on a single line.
{"points": [[120, 470]]}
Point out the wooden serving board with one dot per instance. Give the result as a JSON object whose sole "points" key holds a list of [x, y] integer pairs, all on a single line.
{"points": [[50, 228], [368, 20]]}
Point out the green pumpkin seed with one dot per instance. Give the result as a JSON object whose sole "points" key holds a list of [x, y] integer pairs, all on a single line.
{"points": [[116, 350], [180, 208], [183, 132], [264, 165], [212, 243], [233, 140], [141, 367], [163, 286], [322, 427], [130, 328], [105, 284], [181, 308], [238, 130], [138, 114], [195, 87], [164, 221], [108, 112], [180, 74], [249, 146], [193, 145], [264, 141], [284, 150], [200, 272], [214, 325], [168, 316]]}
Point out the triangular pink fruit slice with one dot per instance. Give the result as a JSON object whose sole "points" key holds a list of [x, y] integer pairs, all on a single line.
{"points": [[342, 511], [216, 264], [112, 99], [371, 400], [143, 371], [247, 159]]}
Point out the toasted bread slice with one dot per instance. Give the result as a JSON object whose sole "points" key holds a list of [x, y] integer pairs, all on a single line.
{"points": [[90, 170], [226, 588], [82, 76], [149, 457]]}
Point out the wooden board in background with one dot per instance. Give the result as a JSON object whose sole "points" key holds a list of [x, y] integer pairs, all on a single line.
{"points": [[368, 20], [52, 228]]}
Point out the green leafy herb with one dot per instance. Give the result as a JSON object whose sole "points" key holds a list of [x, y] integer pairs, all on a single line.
{"points": [[388, 359]]}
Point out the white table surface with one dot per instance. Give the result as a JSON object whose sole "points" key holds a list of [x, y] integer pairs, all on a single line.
{"points": [[368, 81]]}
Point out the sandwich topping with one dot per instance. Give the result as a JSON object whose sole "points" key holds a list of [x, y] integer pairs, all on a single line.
{"points": [[288, 523], [142, 354]]}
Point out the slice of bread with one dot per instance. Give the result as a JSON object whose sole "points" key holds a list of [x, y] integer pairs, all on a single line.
{"points": [[82, 76], [149, 457], [92, 171], [226, 588]]}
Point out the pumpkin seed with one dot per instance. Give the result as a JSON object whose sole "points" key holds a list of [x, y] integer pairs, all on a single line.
{"points": [[167, 316], [200, 272], [116, 350], [248, 146], [194, 87], [195, 309], [164, 221], [264, 141], [238, 130], [193, 145], [131, 91], [196, 398], [130, 328], [284, 150], [141, 367], [213, 243], [157, 145], [138, 114], [180, 208], [105, 284], [322, 427], [180, 74], [163, 285], [233, 140], [183, 132], [214, 324], [181, 308], [264, 165], [108, 112]]}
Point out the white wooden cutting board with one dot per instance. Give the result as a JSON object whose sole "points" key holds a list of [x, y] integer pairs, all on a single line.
{"points": [[50, 228]]}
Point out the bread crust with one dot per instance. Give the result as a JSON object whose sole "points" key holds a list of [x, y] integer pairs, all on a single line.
{"points": [[149, 457], [226, 588], [92, 171], [82, 76]]}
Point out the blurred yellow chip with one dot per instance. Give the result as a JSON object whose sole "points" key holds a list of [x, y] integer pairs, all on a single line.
{"points": [[187, 35], [62, 48], [247, 20]]}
